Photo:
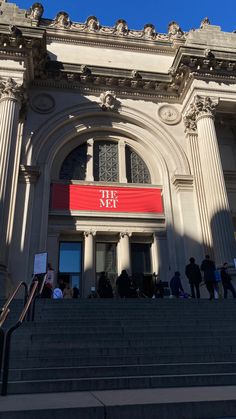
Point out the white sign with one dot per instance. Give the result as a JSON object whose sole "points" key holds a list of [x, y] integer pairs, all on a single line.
{"points": [[40, 263]]}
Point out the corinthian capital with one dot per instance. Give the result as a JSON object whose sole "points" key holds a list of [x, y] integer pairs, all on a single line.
{"points": [[10, 89], [202, 106]]}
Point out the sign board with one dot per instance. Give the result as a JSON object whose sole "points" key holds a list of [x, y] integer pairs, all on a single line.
{"points": [[40, 263], [106, 199]]}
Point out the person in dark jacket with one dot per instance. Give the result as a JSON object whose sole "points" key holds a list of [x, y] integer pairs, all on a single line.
{"points": [[104, 286], [123, 284], [175, 285], [208, 268], [226, 281], [193, 273]]}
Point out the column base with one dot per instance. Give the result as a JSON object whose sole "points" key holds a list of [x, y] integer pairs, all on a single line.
{"points": [[5, 282]]}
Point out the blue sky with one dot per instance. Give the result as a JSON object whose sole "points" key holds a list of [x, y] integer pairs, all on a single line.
{"points": [[138, 12]]}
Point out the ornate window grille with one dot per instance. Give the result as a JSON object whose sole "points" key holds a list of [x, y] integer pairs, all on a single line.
{"points": [[136, 169], [106, 162], [74, 165]]}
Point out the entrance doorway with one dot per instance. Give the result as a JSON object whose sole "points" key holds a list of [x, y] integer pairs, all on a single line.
{"points": [[70, 264], [106, 261], [142, 267]]}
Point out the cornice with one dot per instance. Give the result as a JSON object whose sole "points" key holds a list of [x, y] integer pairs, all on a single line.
{"points": [[164, 48]]}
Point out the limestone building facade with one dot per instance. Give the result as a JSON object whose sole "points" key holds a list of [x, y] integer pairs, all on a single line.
{"points": [[117, 146]]}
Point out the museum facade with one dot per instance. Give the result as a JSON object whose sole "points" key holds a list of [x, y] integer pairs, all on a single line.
{"points": [[117, 147]]}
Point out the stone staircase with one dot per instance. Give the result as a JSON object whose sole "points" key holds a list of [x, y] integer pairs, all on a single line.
{"points": [[105, 348]]}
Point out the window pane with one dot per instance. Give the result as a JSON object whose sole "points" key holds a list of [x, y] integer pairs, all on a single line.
{"points": [[75, 164], [106, 166], [70, 257], [136, 169], [106, 257], [141, 258]]}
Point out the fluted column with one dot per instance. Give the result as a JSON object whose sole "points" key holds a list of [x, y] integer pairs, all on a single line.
{"points": [[200, 191], [219, 215], [11, 96], [89, 276], [125, 256]]}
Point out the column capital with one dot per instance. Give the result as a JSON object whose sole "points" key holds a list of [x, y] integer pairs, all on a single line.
{"points": [[124, 234], [202, 106], [89, 233], [10, 89]]}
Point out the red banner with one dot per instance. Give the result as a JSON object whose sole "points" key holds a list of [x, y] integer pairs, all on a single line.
{"points": [[106, 198]]}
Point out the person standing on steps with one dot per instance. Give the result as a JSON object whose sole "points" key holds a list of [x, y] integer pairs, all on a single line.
{"points": [[193, 273], [226, 281], [208, 268]]}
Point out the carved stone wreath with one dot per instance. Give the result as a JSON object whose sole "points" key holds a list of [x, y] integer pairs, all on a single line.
{"points": [[169, 115], [43, 103]]}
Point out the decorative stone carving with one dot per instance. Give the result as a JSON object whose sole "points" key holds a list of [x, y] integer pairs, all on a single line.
{"points": [[62, 21], [36, 11], [175, 31], [169, 114], [121, 28], [92, 24], [43, 103], [135, 74], [10, 89], [205, 22], [85, 70], [149, 31], [202, 106], [108, 100]]}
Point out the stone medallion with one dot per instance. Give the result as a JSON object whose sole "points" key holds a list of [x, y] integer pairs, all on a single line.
{"points": [[43, 103], [169, 114]]}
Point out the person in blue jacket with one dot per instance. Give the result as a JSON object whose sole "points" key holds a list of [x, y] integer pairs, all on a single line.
{"points": [[175, 285]]}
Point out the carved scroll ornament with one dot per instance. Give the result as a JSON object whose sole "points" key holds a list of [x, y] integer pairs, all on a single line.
{"points": [[202, 106], [11, 90]]}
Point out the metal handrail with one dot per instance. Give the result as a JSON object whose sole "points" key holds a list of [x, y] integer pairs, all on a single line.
{"points": [[11, 297], [37, 297], [5, 310], [7, 343]]}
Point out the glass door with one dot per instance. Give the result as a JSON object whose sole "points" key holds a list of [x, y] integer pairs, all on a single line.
{"points": [[70, 264], [141, 267]]}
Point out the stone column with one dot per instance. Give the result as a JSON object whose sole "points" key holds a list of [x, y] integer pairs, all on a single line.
{"points": [[11, 95], [125, 262], [122, 160], [200, 191], [89, 273], [201, 113], [89, 171]]}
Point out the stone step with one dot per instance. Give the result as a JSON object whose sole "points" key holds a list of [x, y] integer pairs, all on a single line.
{"points": [[131, 359], [116, 383], [120, 370], [181, 403]]}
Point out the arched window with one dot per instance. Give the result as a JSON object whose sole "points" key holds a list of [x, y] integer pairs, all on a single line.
{"points": [[74, 165], [136, 169], [106, 157]]}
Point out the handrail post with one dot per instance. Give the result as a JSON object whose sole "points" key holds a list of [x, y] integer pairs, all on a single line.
{"points": [[2, 337], [6, 358]]}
